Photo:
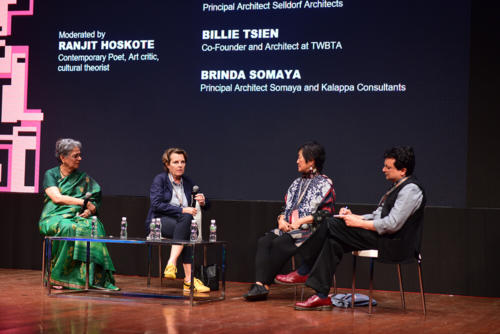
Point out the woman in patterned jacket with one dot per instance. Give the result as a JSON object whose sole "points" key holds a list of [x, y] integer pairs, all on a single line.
{"points": [[308, 199]]}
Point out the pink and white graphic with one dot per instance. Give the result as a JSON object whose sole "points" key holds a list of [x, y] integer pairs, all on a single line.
{"points": [[24, 125]]}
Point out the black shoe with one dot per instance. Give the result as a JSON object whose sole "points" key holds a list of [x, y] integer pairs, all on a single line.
{"points": [[256, 292]]}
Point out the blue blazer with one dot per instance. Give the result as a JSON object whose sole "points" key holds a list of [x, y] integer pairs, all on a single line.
{"points": [[160, 195]]}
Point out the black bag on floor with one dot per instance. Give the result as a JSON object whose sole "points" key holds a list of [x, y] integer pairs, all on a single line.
{"points": [[209, 275]]}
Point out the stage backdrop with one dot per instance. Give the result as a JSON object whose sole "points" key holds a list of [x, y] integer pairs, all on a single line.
{"points": [[239, 85]]}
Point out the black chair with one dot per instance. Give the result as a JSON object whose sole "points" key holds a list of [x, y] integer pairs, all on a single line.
{"points": [[398, 248], [372, 254]]}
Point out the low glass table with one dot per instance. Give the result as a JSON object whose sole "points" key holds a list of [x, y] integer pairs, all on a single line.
{"points": [[47, 257]]}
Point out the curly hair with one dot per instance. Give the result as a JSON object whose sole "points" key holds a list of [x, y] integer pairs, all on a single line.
{"points": [[404, 158]]}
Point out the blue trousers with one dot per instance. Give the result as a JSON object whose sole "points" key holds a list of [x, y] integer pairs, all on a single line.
{"points": [[178, 229]]}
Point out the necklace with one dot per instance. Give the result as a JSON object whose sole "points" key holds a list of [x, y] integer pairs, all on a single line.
{"points": [[62, 173], [178, 193], [302, 192]]}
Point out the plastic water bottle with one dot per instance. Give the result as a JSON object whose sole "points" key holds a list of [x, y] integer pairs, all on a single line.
{"points": [[93, 230], [123, 230], [158, 229], [152, 232], [154, 229], [213, 231], [194, 231]]}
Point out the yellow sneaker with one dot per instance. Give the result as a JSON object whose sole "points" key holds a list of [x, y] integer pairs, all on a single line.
{"points": [[198, 286], [170, 271]]}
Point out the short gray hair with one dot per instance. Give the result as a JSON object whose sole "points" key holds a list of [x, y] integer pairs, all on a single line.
{"points": [[64, 146]]}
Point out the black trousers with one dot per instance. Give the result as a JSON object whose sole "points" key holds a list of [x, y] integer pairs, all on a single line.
{"points": [[272, 253], [323, 251], [178, 229]]}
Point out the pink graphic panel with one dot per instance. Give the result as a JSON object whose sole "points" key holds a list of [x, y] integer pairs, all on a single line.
{"points": [[6, 15], [25, 137]]}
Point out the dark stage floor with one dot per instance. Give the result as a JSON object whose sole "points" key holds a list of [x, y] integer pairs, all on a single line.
{"points": [[26, 308]]}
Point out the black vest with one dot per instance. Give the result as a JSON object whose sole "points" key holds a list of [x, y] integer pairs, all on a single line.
{"points": [[403, 245]]}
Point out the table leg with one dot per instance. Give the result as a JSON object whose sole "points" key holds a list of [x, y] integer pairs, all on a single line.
{"points": [[191, 287], [159, 266], [223, 273], [205, 255], [43, 261], [87, 266], [49, 260], [149, 265]]}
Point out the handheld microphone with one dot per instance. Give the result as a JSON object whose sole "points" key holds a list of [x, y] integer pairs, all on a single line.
{"points": [[195, 191], [85, 201]]}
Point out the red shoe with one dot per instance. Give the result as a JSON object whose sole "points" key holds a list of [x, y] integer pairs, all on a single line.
{"points": [[292, 278], [314, 303]]}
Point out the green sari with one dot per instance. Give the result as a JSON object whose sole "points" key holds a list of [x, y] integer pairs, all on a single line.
{"points": [[69, 257]]}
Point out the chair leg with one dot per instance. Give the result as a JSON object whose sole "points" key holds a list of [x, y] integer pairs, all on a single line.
{"points": [[401, 290], [372, 265], [353, 294], [334, 285], [295, 287], [419, 264]]}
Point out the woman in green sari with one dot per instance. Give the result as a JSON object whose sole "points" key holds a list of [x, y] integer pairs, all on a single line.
{"points": [[66, 190]]}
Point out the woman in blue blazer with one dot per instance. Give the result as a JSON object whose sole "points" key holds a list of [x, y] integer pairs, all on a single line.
{"points": [[171, 196]]}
